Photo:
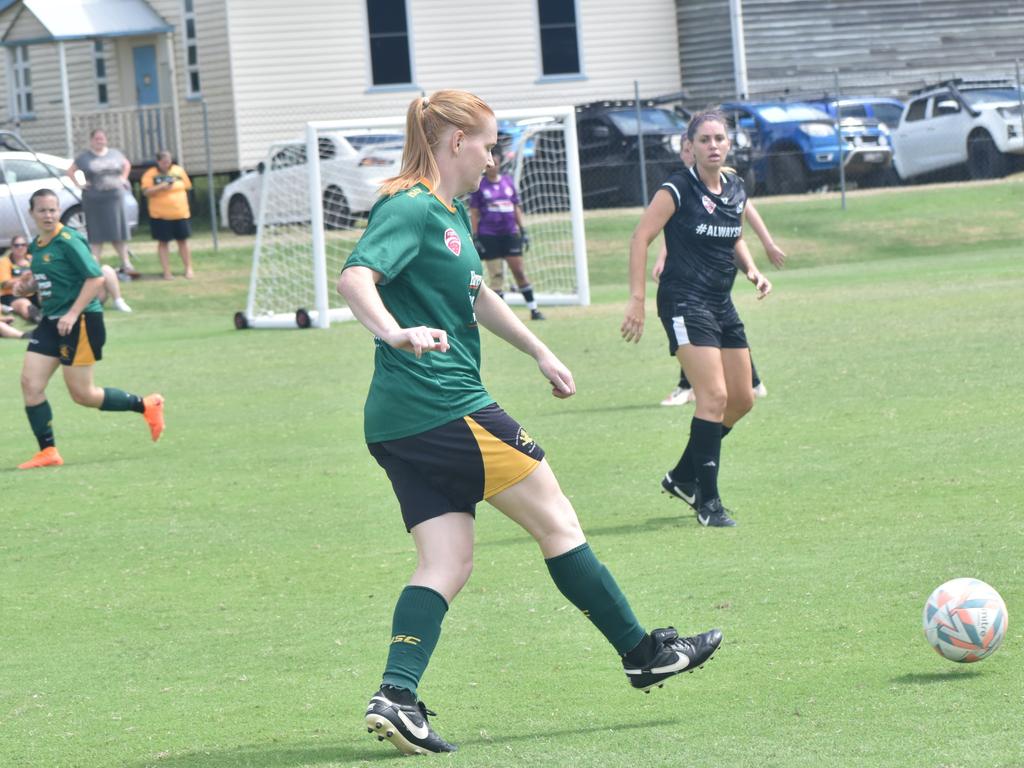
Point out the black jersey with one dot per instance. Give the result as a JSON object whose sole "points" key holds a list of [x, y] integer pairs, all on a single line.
{"points": [[701, 235]]}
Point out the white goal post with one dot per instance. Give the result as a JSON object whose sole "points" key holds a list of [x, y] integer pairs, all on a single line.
{"points": [[310, 215]]}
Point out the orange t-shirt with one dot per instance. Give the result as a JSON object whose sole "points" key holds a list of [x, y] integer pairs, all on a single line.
{"points": [[168, 204]]}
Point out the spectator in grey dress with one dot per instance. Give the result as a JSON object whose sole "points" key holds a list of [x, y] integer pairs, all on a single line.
{"points": [[106, 180]]}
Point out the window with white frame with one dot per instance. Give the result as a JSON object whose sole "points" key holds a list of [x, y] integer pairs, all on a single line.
{"points": [[389, 42], [191, 50], [23, 106], [559, 46], [102, 92]]}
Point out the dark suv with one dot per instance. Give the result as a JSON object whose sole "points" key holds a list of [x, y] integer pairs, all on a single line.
{"points": [[608, 137]]}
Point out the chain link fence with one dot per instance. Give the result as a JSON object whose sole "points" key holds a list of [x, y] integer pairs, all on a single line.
{"points": [[826, 133]]}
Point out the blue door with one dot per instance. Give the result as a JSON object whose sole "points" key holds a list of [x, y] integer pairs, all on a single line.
{"points": [[147, 94], [147, 87]]}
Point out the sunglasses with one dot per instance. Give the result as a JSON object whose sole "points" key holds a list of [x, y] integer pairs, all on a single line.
{"points": [[19, 245]]}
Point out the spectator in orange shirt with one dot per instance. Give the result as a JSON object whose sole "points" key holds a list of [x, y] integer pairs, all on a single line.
{"points": [[166, 187]]}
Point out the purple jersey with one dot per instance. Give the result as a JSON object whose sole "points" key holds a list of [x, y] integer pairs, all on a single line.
{"points": [[496, 201]]}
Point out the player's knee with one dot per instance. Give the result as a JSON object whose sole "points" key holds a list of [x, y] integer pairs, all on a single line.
{"points": [[86, 396], [713, 400], [31, 389]]}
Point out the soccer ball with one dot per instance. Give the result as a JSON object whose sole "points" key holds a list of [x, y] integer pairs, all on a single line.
{"points": [[965, 620]]}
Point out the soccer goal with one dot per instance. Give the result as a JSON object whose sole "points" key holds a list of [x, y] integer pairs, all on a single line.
{"points": [[310, 214]]}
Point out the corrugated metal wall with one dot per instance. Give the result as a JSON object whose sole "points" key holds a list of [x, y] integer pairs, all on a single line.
{"points": [[881, 47]]}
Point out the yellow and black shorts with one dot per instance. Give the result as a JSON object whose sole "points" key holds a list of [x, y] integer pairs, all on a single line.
{"points": [[453, 467], [83, 346]]}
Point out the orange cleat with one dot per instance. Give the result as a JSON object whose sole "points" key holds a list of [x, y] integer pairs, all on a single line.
{"points": [[154, 414], [48, 457]]}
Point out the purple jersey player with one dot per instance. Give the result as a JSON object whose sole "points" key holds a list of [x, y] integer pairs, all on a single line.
{"points": [[498, 231]]}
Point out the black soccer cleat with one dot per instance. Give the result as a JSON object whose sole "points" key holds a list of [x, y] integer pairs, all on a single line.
{"points": [[672, 656], [403, 723], [536, 314], [689, 492], [713, 515]]}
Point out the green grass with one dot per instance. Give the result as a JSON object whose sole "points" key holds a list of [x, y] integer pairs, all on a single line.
{"points": [[223, 598]]}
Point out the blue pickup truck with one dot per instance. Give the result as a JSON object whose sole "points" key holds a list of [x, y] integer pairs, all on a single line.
{"points": [[795, 147]]}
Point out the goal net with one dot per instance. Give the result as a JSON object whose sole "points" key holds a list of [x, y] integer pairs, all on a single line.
{"points": [[310, 214]]}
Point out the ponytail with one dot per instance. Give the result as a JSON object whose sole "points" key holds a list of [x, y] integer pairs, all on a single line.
{"points": [[426, 122]]}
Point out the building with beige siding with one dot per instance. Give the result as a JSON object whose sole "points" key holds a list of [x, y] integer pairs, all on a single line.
{"points": [[262, 68]]}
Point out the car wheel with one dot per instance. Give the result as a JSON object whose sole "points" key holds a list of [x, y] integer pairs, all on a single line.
{"points": [[786, 174], [240, 218], [336, 212], [74, 217], [984, 160]]}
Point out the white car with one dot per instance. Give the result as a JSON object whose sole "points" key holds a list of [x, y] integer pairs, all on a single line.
{"points": [[22, 173], [353, 164], [956, 123]]}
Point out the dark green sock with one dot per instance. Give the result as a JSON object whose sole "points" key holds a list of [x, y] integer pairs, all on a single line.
{"points": [[119, 400], [415, 628], [588, 585], [40, 418]]}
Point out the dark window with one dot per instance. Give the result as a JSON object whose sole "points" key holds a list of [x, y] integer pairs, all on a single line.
{"points": [[190, 29], [193, 81], [888, 114], [916, 110], [945, 105], [193, 56], [102, 94], [389, 42], [288, 157], [559, 50], [853, 110]]}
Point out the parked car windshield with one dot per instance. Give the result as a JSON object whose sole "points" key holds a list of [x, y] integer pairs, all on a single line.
{"points": [[792, 113], [985, 96], [654, 121]]}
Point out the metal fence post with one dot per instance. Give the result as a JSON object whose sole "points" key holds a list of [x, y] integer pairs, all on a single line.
{"points": [[1020, 98], [839, 139], [640, 144], [209, 176]]}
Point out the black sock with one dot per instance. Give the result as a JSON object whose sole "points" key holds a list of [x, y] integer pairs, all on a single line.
{"points": [[684, 383], [119, 400], [40, 418], [527, 291], [643, 651], [706, 445], [753, 375]]}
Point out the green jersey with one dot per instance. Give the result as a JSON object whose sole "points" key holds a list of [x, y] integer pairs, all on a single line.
{"points": [[60, 268], [430, 276]]}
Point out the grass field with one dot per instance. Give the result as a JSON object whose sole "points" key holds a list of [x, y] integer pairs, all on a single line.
{"points": [[223, 598]]}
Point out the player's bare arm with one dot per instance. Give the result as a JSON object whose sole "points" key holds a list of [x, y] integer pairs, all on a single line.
{"points": [[359, 287]]}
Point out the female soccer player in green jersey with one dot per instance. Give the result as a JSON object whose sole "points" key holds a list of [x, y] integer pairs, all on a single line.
{"points": [[415, 281], [70, 334]]}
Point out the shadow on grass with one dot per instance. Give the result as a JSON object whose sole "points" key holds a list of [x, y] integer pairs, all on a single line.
{"points": [[919, 678], [272, 756], [292, 755], [653, 524]]}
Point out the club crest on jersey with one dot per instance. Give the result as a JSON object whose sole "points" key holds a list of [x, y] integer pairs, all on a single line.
{"points": [[451, 239], [709, 204]]}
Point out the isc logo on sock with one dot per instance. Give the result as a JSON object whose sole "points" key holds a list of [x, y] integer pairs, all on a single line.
{"points": [[408, 639]]}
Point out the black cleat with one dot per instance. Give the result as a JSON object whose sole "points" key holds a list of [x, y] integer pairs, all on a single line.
{"points": [[402, 723], [674, 655], [536, 314], [713, 515], [688, 492]]}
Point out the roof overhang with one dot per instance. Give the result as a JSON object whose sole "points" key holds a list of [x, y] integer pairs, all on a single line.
{"points": [[82, 19]]}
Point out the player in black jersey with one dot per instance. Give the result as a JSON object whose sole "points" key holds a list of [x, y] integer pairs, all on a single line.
{"points": [[682, 393], [701, 212]]}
